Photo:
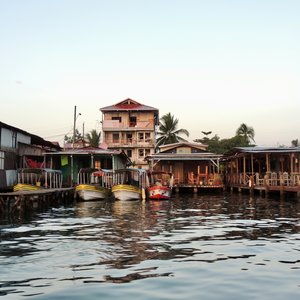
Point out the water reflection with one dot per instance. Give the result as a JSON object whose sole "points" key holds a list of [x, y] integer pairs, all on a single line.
{"points": [[120, 242]]}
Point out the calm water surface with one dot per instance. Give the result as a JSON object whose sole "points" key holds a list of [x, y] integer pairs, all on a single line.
{"points": [[191, 247]]}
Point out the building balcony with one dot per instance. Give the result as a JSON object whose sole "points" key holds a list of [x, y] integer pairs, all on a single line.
{"points": [[129, 143], [115, 125]]}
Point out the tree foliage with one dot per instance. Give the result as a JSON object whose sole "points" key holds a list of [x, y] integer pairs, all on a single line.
{"points": [[247, 132], [216, 145], [295, 143], [93, 138], [168, 132], [69, 139]]}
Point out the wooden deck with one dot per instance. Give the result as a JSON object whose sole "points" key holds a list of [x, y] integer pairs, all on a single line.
{"points": [[18, 204], [267, 189], [197, 188]]}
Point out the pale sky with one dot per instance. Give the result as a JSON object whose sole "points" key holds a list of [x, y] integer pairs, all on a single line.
{"points": [[213, 64]]}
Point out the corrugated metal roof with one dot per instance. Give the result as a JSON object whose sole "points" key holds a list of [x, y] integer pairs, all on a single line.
{"points": [[262, 149], [88, 151], [189, 156], [128, 105], [35, 139]]}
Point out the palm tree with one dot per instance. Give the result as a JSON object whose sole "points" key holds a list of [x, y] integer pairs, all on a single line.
{"points": [[168, 132], [295, 143], [94, 138], [247, 132]]}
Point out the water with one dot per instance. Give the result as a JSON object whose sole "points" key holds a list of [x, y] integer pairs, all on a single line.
{"points": [[192, 247]]}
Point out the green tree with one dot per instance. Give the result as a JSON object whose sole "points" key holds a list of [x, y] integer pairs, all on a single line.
{"points": [[168, 132], [247, 132], [69, 139], [295, 143], [94, 138]]}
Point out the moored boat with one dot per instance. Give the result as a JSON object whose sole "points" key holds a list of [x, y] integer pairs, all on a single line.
{"points": [[32, 179], [93, 184], [160, 185], [129, 184]]}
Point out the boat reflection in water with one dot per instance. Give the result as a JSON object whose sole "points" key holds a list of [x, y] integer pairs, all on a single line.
{"points": [[235, 246]]}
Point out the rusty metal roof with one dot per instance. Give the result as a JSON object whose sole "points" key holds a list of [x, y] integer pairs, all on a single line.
{"points": [[128, 105]]}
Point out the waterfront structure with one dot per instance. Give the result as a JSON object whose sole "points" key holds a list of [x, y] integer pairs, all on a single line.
{"points": [[267, 169], [191, 164], [72, 160], [129, 126], [20, 149]]}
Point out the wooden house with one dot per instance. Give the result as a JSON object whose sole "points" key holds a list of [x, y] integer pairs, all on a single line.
{"points": [[263, 168], [20, 149], [72, 160], [191, 164], [129, 126]]}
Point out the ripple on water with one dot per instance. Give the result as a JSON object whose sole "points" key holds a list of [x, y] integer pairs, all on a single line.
{"points": [[186, 248]]}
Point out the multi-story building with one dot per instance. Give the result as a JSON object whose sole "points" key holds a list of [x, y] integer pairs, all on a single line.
{"points": [[130, 126]]}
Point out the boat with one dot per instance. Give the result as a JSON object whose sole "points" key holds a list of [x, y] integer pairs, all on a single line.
{"points": [[160, 185], [93, 184], [129, 184], [33, 179]]}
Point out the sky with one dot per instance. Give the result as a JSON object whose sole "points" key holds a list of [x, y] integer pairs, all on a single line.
{"points": [[212, 64]]}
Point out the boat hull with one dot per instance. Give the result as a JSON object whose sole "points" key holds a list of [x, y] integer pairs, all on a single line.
{"points": [[88, 192], [126, 192], [159, 192], [26, 187]]}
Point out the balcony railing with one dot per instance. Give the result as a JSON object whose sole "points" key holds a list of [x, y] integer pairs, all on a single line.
{"points": [[116, 125], [266, 179], [129, 143]]}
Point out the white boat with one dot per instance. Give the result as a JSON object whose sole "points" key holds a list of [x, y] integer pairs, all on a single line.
{"points": [[32, 179], [93, 184], [160, 185], [129, 184]]}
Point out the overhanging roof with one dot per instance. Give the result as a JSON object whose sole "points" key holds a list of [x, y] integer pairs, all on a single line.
{"points": [[128, 105], [88, 151], [35, 139], [184, 157], [261, 149]]}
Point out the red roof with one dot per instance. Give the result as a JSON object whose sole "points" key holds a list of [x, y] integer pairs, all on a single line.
{"points": [[128, 104]]}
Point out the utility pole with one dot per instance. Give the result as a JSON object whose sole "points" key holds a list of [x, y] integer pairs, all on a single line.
{"points": [[74, 126]]}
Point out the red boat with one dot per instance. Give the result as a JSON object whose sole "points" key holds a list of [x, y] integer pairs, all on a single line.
{"points": [[160, 185]]}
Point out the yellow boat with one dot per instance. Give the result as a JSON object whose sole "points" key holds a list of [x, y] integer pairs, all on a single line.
{"points": [[32, 179], [129, 184], [93, 184]]}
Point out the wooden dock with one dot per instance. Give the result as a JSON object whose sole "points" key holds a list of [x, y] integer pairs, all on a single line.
{"points": [[21, 203], [265, 190]]}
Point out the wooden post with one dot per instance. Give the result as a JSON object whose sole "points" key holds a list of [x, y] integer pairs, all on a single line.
{"points": [[267, 162], [244, 169]]}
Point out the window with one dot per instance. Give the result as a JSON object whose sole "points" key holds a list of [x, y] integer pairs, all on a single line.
{"points": [[147, 152], [117, 119], [129, 153], [129, 138], [147, 137], [132, 121], [141, 153], [141, 136], [1, 160], [116, 138]]}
